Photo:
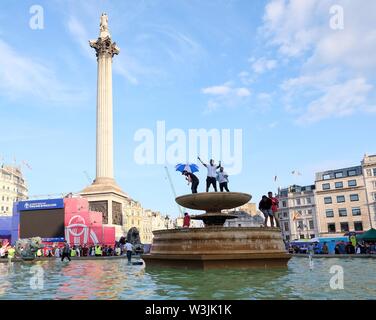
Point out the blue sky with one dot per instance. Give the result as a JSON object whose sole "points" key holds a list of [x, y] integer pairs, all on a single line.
{"points": [[301, 91]]}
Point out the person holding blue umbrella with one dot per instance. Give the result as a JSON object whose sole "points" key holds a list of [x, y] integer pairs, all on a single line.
{"points": [[187, 170]]}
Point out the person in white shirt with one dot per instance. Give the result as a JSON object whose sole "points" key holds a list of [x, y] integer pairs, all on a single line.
{"points": [[211, 179], [129, 249], [222, 177], [57, 253]]}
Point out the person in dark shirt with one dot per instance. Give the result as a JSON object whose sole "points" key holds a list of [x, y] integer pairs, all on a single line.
{"points": [[191, 178], [350, 249], [265, 206]]}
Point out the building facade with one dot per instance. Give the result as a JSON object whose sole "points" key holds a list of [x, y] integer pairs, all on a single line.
{"points": [[369, 176], [341, 201], [13, 188], [297, 212]]}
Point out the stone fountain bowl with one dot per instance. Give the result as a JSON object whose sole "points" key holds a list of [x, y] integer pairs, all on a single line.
{"points": [[213, 202]]}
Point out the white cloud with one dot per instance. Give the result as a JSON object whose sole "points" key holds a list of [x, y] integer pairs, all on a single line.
{"points": [[243, 92], [225, 95], [337, 66], [338, 101], [22, 76], [262, 65], [217, 90]]}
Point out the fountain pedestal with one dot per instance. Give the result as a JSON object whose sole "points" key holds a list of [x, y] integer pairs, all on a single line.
{"points": [[215, 246]]}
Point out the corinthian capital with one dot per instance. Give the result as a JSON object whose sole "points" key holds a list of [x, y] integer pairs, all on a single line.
{"points": [[104, 47]]}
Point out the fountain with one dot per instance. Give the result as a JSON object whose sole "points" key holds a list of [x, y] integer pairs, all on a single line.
{"points": [[215, 246]]}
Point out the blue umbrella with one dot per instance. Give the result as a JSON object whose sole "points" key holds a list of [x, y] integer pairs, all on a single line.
{"points": [[190, 167]]}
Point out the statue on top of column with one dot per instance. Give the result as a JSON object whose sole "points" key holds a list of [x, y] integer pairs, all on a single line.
{"points": [[103, 26], [104, 45]]}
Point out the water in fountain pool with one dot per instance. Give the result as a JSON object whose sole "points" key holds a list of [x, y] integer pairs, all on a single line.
{"points": [[115, 279]]}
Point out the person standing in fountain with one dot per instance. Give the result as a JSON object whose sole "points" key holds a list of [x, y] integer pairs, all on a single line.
{"points": [[66, 252], [191, 178], [265, 206], [222, 177], [211, 179], [275, 206], [186, 220], [129, 248]]}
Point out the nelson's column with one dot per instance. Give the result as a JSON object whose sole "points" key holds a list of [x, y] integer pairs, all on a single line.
{"points": [[104, 194]]}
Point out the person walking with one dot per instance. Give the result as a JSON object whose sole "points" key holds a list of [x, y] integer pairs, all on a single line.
{"points": [[186, 220], [275, 206], [66, 252], [211, 178], [191, 178], [222, 178], [265, 206], [11, 253], [129, 249]]}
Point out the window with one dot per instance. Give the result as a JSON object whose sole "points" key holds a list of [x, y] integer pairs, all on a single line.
{"points": [[369, 172], [300, 225], [326, 177], [298, 202], [309, 211], [356, 211], [339, 184], [354, 197], [344, 226], [328, 200], [329, 213], [352, 183], [301, 236], [331, 227], [326, 186], [309, 201], [286, 226], [287, 238], [312, 236], [342, 212], [284, 204], [358, 226], [311, 225], [340, 199], [374, 172], [374, 196], [338, 174], [374, 184], [351, 173], [285, 215]]}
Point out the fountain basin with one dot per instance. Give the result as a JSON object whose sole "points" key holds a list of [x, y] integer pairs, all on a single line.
{"points": [[213, 203], [217, 247]]}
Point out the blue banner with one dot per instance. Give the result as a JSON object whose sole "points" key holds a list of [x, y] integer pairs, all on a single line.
{"points": [[40, 204], [53, 239]]}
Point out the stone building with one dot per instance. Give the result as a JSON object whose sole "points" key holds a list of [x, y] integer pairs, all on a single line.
{"points": [[341, 201], [12, 188], [369, 176], [297, 212]]}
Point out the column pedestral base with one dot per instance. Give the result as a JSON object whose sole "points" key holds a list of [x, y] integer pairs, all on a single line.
{"points": [[103, 185]]}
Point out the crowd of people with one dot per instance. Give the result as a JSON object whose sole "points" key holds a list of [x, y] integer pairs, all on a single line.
{"points": [[341, 247], [67, 251]]}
